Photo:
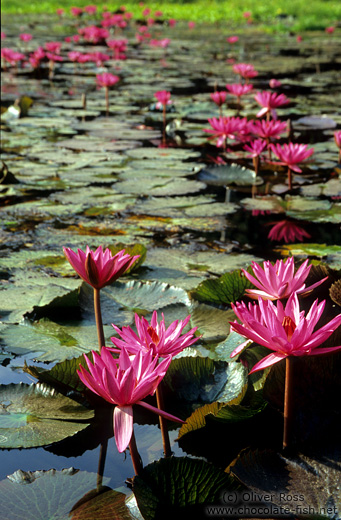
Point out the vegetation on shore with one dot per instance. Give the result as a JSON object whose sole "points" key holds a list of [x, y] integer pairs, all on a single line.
{"points": [[279, 15]]}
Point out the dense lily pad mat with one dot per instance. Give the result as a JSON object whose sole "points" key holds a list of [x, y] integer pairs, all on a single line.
{"points": [[196, 214]]}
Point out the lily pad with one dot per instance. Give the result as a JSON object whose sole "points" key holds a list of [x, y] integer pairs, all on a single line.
{"points": [[226, 175], [61, 495], [35, 415], [180, 488]]}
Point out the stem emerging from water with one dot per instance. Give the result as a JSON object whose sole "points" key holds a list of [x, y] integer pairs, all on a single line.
{"points": [[98, 316], [163, 423], [135, 456], [288, 401]]}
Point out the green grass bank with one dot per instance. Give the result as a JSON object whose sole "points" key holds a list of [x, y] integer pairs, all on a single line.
{"points": [[274, 15]]}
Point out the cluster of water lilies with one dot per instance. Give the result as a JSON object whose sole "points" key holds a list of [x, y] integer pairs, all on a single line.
{"points": [[132, 369], [143, 357]]}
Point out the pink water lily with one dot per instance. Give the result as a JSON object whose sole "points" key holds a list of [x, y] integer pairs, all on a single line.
{"points": [[155, 337], [245, 70], [124, 382], [163, 98], [337, 138], [106, 79], [279, 280], [255, 148], [292, 154], [269, 101], [239, 89], [224, 128], [99, 268], [218, 97], [287, 331], [269, 129]]}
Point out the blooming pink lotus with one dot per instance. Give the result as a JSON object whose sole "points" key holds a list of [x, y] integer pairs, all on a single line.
{"points": [[11, 56], [269, 129], [163, 98], [191, 25], [99, 268], [53, 47], [155, 337], [238, 89], [106, 79], [274, 83], [224, 128], [90, 9], [279, 280], [219, 97], [285, 330], [255, 149], [287, 231], [232, 39], [337, 138], [245, 70], [118, 47], [76, 11], [25, 37], [292, 154], [270, 101], [124, 382]]}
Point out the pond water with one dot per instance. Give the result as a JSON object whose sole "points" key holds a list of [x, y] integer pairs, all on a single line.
{"points": [[74, 175]]}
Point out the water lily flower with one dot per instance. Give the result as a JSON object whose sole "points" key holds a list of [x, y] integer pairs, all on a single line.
{"points": [[274, 83], [90, 9], [270, 101], [154, 337], [232, 39], [163, 98], [60, 12], [224, 128], [287, 331], [219, 98], [124, 382], [288, 231], [255, 149], [191, 25], [337, 138], [106, 80], [118, 47], [25, 37], [172, 22], [53, 47], [269, 129], [292, 154], [98, 268], [279, 280], [330, 29], [11, 56], [239, 89], [245, 70], [76, 11]]}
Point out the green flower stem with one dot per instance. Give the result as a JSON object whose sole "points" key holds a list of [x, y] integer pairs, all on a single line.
{"points": [[107, 100], [288, 401], [163, 424], [164, 126], [135, 456], [98, 316]]}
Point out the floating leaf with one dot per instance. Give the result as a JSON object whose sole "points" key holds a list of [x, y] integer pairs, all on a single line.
{"points": [[179, 488], [226, 175], [65, 494], [225, 290], [301, 485], [35, 415]]}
